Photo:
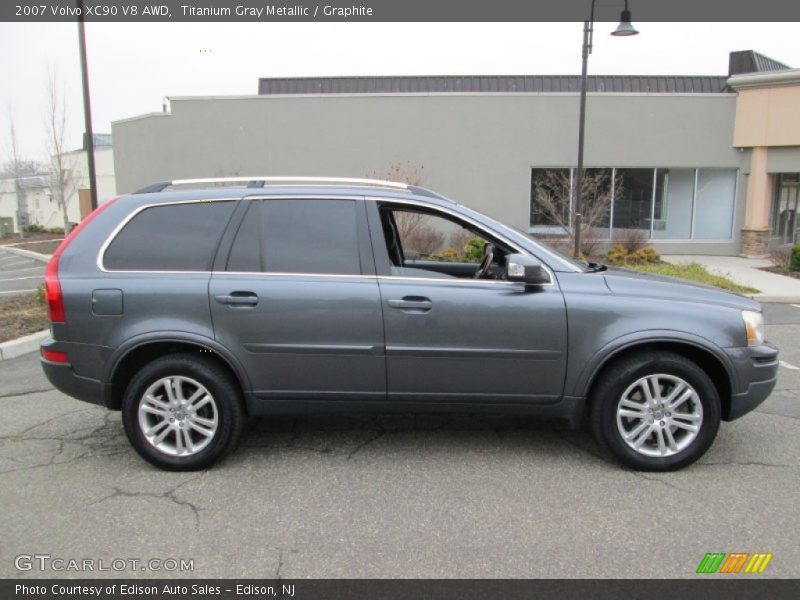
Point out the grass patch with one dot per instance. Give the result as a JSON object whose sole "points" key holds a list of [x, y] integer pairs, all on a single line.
{"points": [[21, 315], [42, 247], [694, 272], [782, 271]]}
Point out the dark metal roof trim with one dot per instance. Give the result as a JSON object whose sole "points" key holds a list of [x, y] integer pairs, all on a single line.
{"points": [[508, 84]]}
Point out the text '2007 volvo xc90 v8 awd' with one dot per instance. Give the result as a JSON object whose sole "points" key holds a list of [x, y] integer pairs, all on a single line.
{"points": [[188, 305]]}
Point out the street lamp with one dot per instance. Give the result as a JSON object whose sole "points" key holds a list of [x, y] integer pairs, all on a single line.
{"points": [[623, 29]]}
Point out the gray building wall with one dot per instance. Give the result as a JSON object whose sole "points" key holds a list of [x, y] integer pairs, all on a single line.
{"points": [[783, 160], [478, 149]]}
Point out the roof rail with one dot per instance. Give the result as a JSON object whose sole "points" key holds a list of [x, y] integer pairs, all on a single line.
{"points": [[258, 182]]}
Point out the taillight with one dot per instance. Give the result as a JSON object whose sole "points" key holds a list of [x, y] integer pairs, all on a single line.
{"points": [[54, 356], [52, 285], [52, 290]]}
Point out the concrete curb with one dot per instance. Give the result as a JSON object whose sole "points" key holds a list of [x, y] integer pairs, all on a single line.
{"points": [[23, 345], [776, 299], [45, 258]]}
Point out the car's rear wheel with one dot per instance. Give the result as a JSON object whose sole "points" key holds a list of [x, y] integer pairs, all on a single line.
{"points": [[655, 411], [183, 412]]}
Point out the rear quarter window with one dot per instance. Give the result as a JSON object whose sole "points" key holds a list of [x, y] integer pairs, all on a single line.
{"points": [[174, 237]]}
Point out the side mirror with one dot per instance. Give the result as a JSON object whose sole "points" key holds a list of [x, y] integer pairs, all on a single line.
{"points": [[526, 269]]}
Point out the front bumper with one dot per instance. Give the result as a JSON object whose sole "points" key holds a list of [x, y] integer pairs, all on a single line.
{"points": [[756, 369]]}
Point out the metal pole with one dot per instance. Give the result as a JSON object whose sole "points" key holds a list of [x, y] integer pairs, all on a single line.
{"points": [[587, 48], [87, 110]]}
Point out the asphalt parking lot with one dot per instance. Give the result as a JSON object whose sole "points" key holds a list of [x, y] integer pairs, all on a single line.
{"points": [[396, 496], [19, 274]]}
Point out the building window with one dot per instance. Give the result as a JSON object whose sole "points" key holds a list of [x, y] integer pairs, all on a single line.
{"points": [[674, 204], [633, 202], [661, 203], [784, 207]]}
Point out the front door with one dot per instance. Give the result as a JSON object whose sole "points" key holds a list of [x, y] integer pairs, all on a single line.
{"points": [[297, 300], [451, 337]]}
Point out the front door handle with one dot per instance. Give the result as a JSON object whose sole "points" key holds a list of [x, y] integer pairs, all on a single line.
{"points": [[238, 299], [412, 304]]}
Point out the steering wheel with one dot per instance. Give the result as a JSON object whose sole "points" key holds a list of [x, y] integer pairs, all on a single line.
{"points": [[486, 263]]}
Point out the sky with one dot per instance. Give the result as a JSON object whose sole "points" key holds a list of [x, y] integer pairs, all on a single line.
{"points": [[134, 66]]}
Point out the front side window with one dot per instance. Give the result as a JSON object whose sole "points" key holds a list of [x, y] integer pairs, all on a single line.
{"points": [[172, 237], [424, 244], [297, 236]]}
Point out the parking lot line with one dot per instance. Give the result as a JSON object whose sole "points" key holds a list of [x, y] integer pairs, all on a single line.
{"points": [[21, 278], [12, 264], [17, 291], [21, 270]]}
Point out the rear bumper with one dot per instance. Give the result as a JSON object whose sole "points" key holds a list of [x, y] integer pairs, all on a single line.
{"points": [[757, 371], [65, 380]]}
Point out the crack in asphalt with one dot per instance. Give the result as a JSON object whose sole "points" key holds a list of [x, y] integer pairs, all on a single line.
{"points": [[280, 565], [167, 495], [25, 393], [100, 439], [735, 463], [656, 479]]}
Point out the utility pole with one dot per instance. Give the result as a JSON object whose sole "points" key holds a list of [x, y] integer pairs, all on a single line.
{"points": [[87, 109]]}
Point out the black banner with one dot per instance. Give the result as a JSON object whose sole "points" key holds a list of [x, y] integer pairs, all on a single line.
{"points": [[395, 10], [746, 586]]}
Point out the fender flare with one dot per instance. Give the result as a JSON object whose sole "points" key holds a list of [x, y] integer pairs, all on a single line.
{"points": [[601, 358], [180, 337]]}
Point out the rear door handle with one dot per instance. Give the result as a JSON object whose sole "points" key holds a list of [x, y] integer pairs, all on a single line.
{"points": [[238, 299], [412, 304]]}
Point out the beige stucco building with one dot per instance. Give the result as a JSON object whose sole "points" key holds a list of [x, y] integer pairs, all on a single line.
{"points": [[768, 125]]}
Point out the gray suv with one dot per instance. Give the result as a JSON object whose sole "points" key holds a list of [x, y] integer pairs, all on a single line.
{"points": [[189, 305]]}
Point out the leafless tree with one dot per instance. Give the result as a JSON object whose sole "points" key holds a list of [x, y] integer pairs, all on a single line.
{"points": [[62, 179], [404, 172], [17, 167], [552, 198]]}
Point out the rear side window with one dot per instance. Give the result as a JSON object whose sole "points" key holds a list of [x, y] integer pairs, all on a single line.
{"points": [[175, 237], [298, 236]]}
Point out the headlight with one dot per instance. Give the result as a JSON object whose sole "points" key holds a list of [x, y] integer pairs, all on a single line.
{"points": [[754, 325]]}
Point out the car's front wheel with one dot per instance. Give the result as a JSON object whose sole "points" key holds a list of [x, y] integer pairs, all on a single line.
{"points": [[655, 411], [183, 412]]}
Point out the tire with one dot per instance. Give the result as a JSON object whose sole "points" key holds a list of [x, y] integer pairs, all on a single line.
{"points": [[653, 435], [200, 432]]}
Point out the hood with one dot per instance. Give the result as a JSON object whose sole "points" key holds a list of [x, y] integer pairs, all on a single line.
{"points": [[646, 285]]}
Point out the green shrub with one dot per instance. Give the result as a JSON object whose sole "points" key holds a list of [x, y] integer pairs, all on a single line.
{"points": [[620, 255], [795, 264], [473, 250], [33, 228], [55, 230], [647, 255]]}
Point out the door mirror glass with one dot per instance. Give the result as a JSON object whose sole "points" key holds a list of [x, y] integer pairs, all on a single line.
{"points": [[526, 269]]}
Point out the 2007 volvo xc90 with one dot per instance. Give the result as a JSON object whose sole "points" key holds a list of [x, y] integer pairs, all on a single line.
{"points": [[188, 306]]}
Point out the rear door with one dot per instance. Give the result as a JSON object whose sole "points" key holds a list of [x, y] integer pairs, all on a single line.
{"points": [[296, 299]]}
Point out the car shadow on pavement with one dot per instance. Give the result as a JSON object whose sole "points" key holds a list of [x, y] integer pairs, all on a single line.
{"points": [[354, 436]]}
